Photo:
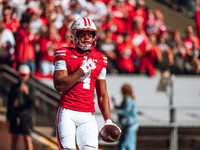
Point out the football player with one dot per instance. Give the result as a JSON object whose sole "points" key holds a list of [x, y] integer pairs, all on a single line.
{"points": [[78, 72]]}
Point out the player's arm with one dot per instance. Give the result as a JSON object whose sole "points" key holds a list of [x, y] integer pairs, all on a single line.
{"points": [[103, 102], [62, 81], [103, 99]]}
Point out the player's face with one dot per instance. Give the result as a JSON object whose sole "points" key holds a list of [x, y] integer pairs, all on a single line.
{"points": [[85, 37]]}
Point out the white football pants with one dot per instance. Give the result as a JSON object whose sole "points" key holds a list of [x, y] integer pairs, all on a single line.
{"points": [[76, 127]]}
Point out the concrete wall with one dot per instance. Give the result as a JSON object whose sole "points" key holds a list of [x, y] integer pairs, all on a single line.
{"points": [[153, 105]]}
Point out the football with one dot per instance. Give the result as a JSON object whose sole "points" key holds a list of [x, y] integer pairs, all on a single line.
{"points": [[110, 133]]}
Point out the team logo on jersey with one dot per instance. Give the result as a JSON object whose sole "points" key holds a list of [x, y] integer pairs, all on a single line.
{"points": [[95, 60]]}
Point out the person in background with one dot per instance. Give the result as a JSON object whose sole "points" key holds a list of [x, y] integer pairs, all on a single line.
{"points": [[151, 55], [197, 18], [140, 12], [48, 44], [119, 15], [108, 47], [7, 43], [96, 10], [19, 109], [125, 56], [163, 67], [192, 46], [25, 53], [57, 16], [139, 40], [179, 53], [127, 113], [11, 22]]}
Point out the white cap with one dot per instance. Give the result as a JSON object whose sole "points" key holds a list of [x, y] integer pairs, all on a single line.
{"points": [[24, 69]]}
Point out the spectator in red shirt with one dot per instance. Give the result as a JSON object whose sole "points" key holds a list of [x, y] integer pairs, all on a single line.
{"points": [[155, 21], [138, 40], [198, 28], [44, 13], [25, 53], [198, 18], [125, 62], [151, 55], [64, 39], [159, 21], [109, 24], [140, 12], [130, 6], [12, 23], [191, 41], [48, 45], [151, 23], [192, 45], [119, 15]]}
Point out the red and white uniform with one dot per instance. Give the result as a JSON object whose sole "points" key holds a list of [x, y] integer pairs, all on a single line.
{"points": [[81, 96], [75, 115]]}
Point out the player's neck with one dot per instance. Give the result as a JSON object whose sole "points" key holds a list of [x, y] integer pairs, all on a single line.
{"points": [[84, 52]]}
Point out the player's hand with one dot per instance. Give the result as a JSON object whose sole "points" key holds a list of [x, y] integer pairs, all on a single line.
{"points": [[87, 66], [109, 122]]}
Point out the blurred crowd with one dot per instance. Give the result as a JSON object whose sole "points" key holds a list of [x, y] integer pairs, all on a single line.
{"points": [[134, 38]]}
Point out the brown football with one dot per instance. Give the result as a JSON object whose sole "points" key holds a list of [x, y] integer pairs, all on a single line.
{"points": [[110, 133]]}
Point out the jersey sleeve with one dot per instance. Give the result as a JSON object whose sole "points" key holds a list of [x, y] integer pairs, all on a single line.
{"points": [[59, 55], [105, 61], [60, 65], [102, 74]]}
